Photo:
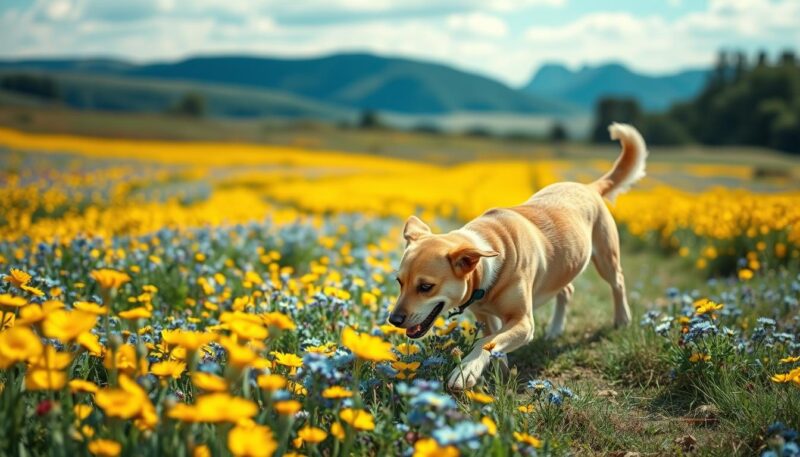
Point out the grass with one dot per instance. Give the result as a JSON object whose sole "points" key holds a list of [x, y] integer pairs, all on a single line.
{"points": [[626, 399]]}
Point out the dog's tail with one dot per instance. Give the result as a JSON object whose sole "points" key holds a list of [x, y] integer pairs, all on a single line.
{"points": [[629, 167]]}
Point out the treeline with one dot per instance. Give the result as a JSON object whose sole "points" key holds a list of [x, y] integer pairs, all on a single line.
{"points": [[33, 85], [745, 102]]}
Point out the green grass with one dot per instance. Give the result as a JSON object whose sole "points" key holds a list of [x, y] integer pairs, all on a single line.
{"points": [[626, 399]]}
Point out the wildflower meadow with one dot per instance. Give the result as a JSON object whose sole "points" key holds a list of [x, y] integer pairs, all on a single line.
{"points": [[198, 299]]}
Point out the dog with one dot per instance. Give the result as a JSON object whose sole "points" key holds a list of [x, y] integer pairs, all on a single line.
{"points": [[509, 261]]}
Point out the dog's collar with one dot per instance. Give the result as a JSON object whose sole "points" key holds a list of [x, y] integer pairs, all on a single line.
{"points": [[477, 294]]}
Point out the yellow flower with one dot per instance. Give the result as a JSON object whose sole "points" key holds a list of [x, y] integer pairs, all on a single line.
{"points": [[311, 434], [338, 431], [288, 360], [44, 379], [489, 346], [189, 340], [30, 314], [215, 408], [278, 320], [168, 368], [479, 397], [51, 359], [139, 312], [32, 290], [126, 360], [698, 357], [209, 382], [128, 401], [408, 349], [251, 440], [239, 356], [358, 418], [428, 447], [201, 451], [17, 277], [793, 375], [91, 343], [527, 439], [247, 330], [745, 274], [105, 448], [82, 411], [367, 347], [67, 325], [90, 307], [271, 382], [791, 359], [326, 349], [525, 409], [287, 407], [12, 301], [705, 306], [80, 385], [110, 279], [491, 427], [18, 344], [336, 392]]}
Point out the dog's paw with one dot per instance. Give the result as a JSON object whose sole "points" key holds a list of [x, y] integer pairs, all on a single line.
{"points": [[466, 376]]}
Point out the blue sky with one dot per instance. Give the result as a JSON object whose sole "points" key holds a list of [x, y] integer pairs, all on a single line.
{"points": [[505, 39]]}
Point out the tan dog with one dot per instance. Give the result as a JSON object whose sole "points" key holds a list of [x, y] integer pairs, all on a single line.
{"points": [[509, 261]]}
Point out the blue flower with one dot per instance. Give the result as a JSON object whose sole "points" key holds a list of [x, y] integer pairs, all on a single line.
{"points": [[462, 432], [540, 384]]}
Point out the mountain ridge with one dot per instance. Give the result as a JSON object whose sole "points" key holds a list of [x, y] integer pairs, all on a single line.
{"points": [[585, 86], [355, 80]]}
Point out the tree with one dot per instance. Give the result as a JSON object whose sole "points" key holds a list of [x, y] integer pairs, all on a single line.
{"points": [[38, 86], [751, 105], [369, 119], [558, 132], [192, 104], [610, 110], [663, 130]]}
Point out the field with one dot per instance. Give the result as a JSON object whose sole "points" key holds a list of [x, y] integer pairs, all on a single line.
{"points": [[206, 298]]}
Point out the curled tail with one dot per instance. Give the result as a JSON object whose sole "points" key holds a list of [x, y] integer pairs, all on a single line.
{"points": [[629, 167]]}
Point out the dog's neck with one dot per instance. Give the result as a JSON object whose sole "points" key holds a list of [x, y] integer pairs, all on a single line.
{"points": [[485, 272]]}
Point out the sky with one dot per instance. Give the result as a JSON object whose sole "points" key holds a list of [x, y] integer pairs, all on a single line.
{"points": [[504, 39]]}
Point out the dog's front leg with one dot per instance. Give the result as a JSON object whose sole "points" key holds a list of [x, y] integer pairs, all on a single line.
{"points": [[515, 332]]}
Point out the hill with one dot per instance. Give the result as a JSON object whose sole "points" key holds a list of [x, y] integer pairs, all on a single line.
{"points": [[586, 86], [356, 81], [110, 92]]}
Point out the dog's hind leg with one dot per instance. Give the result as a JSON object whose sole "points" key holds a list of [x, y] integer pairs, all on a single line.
{"points": [[606, 259], [560, 313]]}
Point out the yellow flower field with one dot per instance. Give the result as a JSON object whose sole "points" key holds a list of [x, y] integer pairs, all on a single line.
{"points": [[163, 298]]}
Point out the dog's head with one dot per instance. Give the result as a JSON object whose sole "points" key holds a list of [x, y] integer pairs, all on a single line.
{"points": [[433, 276]]}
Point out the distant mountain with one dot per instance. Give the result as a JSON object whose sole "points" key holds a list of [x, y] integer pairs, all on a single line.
{"points": [[110, 92], [355, 81], [585, 86]]}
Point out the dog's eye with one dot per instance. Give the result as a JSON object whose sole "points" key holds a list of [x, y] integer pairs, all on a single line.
{"points": [[424, 287]]}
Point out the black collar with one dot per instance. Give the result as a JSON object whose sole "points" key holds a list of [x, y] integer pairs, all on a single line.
{"points": [[477, 294]]}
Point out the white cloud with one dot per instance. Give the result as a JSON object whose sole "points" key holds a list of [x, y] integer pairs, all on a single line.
{"points": [[469, 34], [478, 23], [656, 44], [513, 5]]}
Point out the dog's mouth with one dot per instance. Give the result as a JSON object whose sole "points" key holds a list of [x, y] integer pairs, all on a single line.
{"points": [[422, 328]]}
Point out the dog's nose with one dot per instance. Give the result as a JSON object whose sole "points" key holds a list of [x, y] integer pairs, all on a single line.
{"points": [[397, 319]]}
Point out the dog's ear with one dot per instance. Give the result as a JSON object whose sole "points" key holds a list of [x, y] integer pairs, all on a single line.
{"points": [[465, 258], [414, 229]]}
